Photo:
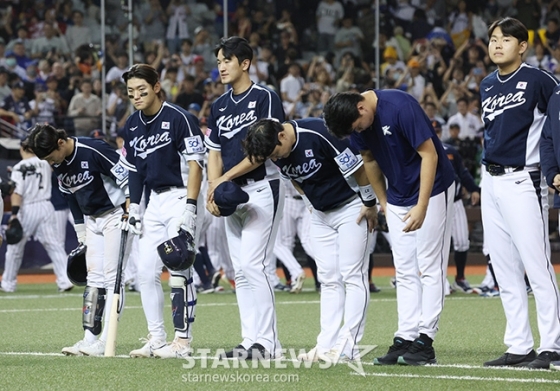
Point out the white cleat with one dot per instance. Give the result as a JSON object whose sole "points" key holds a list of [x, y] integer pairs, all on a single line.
{"points": [[297, 284], [310, 356], [96, 349], [150, 345], [179, 348], [74, 350]]}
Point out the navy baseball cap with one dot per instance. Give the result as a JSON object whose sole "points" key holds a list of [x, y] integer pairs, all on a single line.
{"points": [[227, 196], [194, 106]]}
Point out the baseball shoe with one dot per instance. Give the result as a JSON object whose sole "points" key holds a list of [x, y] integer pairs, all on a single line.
{"points": [[334, 357], [74, 350], [394, 282], [418, 353], [398, 348], [179, 348], [219, 289], [2, 289], [461, 285], [150, 345], [258, 352], [529, 290], [237, 352], [216, 279], [297, 285], [373, 288], [67, 289], [310, 356], [512, 360], [555, 365], [95, 349], [281, 287], [543, 360], [487, 292], [203, 289]]}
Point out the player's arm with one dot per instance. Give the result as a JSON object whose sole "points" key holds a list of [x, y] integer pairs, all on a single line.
{"points": [[242, 168], [16, 200], [308, 203], [369, 207], [415, 216], [215, 170], [548, 156], [375, 177]]}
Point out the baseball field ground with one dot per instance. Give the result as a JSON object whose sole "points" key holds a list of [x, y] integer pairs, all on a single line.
{"points": [[36, 322]]}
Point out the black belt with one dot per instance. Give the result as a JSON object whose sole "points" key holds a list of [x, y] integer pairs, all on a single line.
{"points": [[297, 197], [165, 189], [245, 181], [497, 169]]}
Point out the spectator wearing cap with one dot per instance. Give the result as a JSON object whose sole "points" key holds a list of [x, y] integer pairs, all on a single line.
{"points": [[413, 81], [194, 108], [188, 93], [86, 108], [15, 108], [43, 106], [49, 45], [453, 130], [5, 89], [392, 68]]}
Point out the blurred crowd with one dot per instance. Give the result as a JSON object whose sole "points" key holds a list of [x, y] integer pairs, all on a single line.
{"points": [[50, 55]]}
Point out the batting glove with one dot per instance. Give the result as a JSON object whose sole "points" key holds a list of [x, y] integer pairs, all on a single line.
{"points": [[80, 232], [134, 221], [188, 220]]}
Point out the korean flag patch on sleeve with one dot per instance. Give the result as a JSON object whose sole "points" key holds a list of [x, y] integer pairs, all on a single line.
{"points": [[194, 145], [346, 160]]}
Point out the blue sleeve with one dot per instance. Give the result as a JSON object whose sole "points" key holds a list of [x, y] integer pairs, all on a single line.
{"points": [[414, 124], [357, 142], [189, 139], [548, 86], [345, 156], [213, 139], [75, 209], [109, 162], [271, 107], [466, 178], [549, 161]]}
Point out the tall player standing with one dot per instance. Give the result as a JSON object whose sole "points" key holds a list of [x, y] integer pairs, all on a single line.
{"points": [[396, 138], [252, 229], [31, 205], [96, 184], [160, 138], [514, 200], [318, 164]]}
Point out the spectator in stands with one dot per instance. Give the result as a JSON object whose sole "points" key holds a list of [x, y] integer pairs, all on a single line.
{"points": [[177, 28], [541, 59], [290, 88], [459, 24], [471, 52], [454, 130], [258, 72], [203, 45], [10, 63], [53, 93], [551, 34], [187, 57], [22, 36], [366, 22], [153, 23], [49, 45], [116, 72], [86, 108], [77, 34], [119, 110], [188, 94], [170, 85], [392, 68], [412, 81], [528, 13], [471, 125], [59, 73], [19, 53], [15, 108], [419, 27], [5, 89], [348, 38], [43, 107], [198, 14], [329, 13]]}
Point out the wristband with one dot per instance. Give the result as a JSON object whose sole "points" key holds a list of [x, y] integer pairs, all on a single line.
{"points": [[368, 196], [15, 210], [191, 201]]}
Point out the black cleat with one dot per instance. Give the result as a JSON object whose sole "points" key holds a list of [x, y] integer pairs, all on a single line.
{"points": [[373, 288], [418, 354], [512, 360], [257, 352], [237, 352], [543, 360], [399, 347]]}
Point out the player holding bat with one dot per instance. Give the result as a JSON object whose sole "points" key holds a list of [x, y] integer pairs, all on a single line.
{"points": [[96, 185]]}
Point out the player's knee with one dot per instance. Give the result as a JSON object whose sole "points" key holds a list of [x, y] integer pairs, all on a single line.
{"points": [[94, 306]]}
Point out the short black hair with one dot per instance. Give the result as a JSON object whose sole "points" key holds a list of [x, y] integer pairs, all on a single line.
{"points": [[235, 46], [510, 27], [144, 72], [261, 139], [43, 140], [341, 111]]}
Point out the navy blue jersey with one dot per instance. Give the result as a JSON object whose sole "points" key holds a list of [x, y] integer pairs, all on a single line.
{"points": [[156, 147], [550, 140], [400, 126], [320, 164], [93, 176], [462, 175], [57, 199], [513, 111], [230, 118]]}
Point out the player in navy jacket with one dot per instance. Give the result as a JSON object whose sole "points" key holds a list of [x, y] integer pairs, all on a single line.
{"points": [[320, 168], [252, 229], [96, 186], [514, 199], [396, 138], [160, 140]]}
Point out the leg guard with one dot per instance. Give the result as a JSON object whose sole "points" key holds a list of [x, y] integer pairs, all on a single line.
{"points": [[94, 305], [183, 302]]}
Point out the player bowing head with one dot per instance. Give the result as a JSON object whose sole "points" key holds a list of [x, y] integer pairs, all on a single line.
{"points": [[347, 112], [264, 141], [144, 89], [48, 143]]}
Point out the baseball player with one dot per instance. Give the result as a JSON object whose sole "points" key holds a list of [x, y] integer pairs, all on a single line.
{"points": [[251, 230], [514, 201], [460, 226], [318, 164], [95, 184], [397, 140], [31, 205], [159, 138]]}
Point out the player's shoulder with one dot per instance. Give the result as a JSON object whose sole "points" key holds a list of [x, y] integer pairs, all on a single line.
{"points": [[541, 75], [395, 97], [179, 112]]}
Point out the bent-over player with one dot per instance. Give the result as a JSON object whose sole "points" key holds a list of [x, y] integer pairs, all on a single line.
{"points": [[95, 183], [319, 165], [160, 137], [396, 138], [251, 230]]}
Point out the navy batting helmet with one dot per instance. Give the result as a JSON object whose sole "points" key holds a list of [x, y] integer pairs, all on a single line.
{"points": [[76, 268], [178, 253], [227, 196]]}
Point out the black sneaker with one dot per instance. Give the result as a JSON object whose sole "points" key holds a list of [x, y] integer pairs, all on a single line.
{"points": [[216, 277], [399, 347], [257, 352], [543, 360], [373, 288], [512, 360], [418, 354], [237, 352]]}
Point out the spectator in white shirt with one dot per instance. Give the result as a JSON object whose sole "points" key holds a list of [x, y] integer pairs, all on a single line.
{"points": [[471, 126]]}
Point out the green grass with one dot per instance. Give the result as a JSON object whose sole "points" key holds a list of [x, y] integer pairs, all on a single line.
{"points": [[36, 323]]}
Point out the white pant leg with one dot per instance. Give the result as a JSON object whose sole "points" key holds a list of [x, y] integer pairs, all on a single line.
{"points": [[515, 218], [460, 227], [421, 259], [284, 246], [251, 232], [218, 250]]}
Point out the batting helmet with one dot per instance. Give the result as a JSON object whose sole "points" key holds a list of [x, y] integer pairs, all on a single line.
{"points": [[14, 232], [178, 253], [76, 268], [227, 196]]}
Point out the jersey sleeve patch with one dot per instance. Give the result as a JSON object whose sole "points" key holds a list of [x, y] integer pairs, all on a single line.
{"points": [[346, 160], [194, 145], [119, 171]]}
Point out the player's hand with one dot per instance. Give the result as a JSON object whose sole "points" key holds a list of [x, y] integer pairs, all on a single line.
{"points": [[370, 214], [80, 232], [475, 198], [124, 222], [556, 182], [414, 218], [213, 208], [134, 220], [212, 186], [188, 220]]}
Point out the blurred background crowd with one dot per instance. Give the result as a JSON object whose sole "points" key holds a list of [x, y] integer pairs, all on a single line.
{"points": [[51, 56]]}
